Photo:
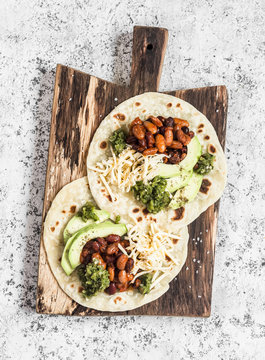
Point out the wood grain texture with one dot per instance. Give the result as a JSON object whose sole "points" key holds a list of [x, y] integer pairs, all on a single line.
{"points": [[81, 101]]}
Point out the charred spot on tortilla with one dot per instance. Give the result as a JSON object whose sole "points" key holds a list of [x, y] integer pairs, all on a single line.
{"points": [[63, 211], [60, 259], [169, 104], [120, 117], [102, 190], [72, 209], [212, 149], [80, 289], [143, 111], [52, 228], [178, 106], [118, 298], [109, 198], [174, 241], [167, 258], [103, 145], [200, 126], [145, 211], [139, 218], [98, 182], [200, 131], [72, 285], [57, 223], [136, 210], [137, 103], [206, 137], [179, 213], [205, 186]]}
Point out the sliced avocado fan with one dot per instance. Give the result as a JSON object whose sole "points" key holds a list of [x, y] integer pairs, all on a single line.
{"points": [[76, 223], [73, 248], [187, 193]]}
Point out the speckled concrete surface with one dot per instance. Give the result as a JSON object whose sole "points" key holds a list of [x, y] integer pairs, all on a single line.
{"points": [[209, 43]]}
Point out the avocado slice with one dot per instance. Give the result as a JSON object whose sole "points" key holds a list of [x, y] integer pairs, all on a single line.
{"points": [[76, 223], [187, 193], [65, 263], [193, 154], [91, 232], [179, 181]]}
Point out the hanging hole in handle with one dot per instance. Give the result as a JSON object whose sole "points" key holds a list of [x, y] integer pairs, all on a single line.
{"points": [[149, 47]]}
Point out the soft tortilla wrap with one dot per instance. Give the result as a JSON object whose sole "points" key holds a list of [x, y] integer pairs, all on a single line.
{"points": [[143, 106], [66, 203]]}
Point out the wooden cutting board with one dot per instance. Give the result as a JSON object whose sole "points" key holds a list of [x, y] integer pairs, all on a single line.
{"points": [[80, 103]]}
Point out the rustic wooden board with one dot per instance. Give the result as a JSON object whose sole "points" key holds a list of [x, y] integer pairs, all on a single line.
{"points": [[80, 102]]}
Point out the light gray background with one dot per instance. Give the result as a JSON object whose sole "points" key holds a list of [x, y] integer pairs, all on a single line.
{"points": [[221, 42]]}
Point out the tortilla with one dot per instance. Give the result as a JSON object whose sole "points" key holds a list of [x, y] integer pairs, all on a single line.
{"points": [[143, 106], [66, 203]]}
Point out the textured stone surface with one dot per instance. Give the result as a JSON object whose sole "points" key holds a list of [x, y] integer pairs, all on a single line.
{"points": [[209, 43]]}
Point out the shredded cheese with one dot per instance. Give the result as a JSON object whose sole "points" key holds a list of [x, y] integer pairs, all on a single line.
{"points": [[130, 166], [151, 251]]}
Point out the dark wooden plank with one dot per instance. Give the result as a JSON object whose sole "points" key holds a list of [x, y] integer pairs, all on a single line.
{"points": [[149, 48], [80, 103]]}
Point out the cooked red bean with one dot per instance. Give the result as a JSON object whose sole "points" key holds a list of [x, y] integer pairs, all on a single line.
{"points": [[150, 139], [125, 243], [95, 246], [122, 261], [99, 258], [150, 127], [162, 130], [111, 271], [130, 277], [160, 143], [122, 287], [168, 136], [156, 121], [136, 121], [180, 123], [129, 265], [111, 290], [138, 131], [113, 238], [183, 138], [182, 156], [112, 249], [175, 159], [161, 118], [102, 244], [185, 129], [143, 144], [150, 151], [176, 145], [131, 140], [169, 122], [110, 259], [122, 276]]}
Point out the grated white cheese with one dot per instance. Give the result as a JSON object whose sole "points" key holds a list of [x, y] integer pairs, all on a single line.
{"points": [[151, 251], [130, 166]]}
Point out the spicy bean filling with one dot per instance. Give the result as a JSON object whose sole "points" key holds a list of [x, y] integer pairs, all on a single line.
{"points": [[108, 254], [169, 136]]}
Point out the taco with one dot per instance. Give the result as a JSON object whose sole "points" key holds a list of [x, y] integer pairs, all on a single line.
{"points": [[156, 158], [107, 265]]}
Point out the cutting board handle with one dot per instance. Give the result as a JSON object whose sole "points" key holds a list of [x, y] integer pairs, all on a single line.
{"points": [[149, 47]]}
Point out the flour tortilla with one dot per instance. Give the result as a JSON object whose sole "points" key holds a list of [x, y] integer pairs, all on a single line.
{"points": [[165, 105], [67, 202]]}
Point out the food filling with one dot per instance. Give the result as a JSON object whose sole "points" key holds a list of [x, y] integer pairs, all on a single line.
{"points": [[159, 160]]}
